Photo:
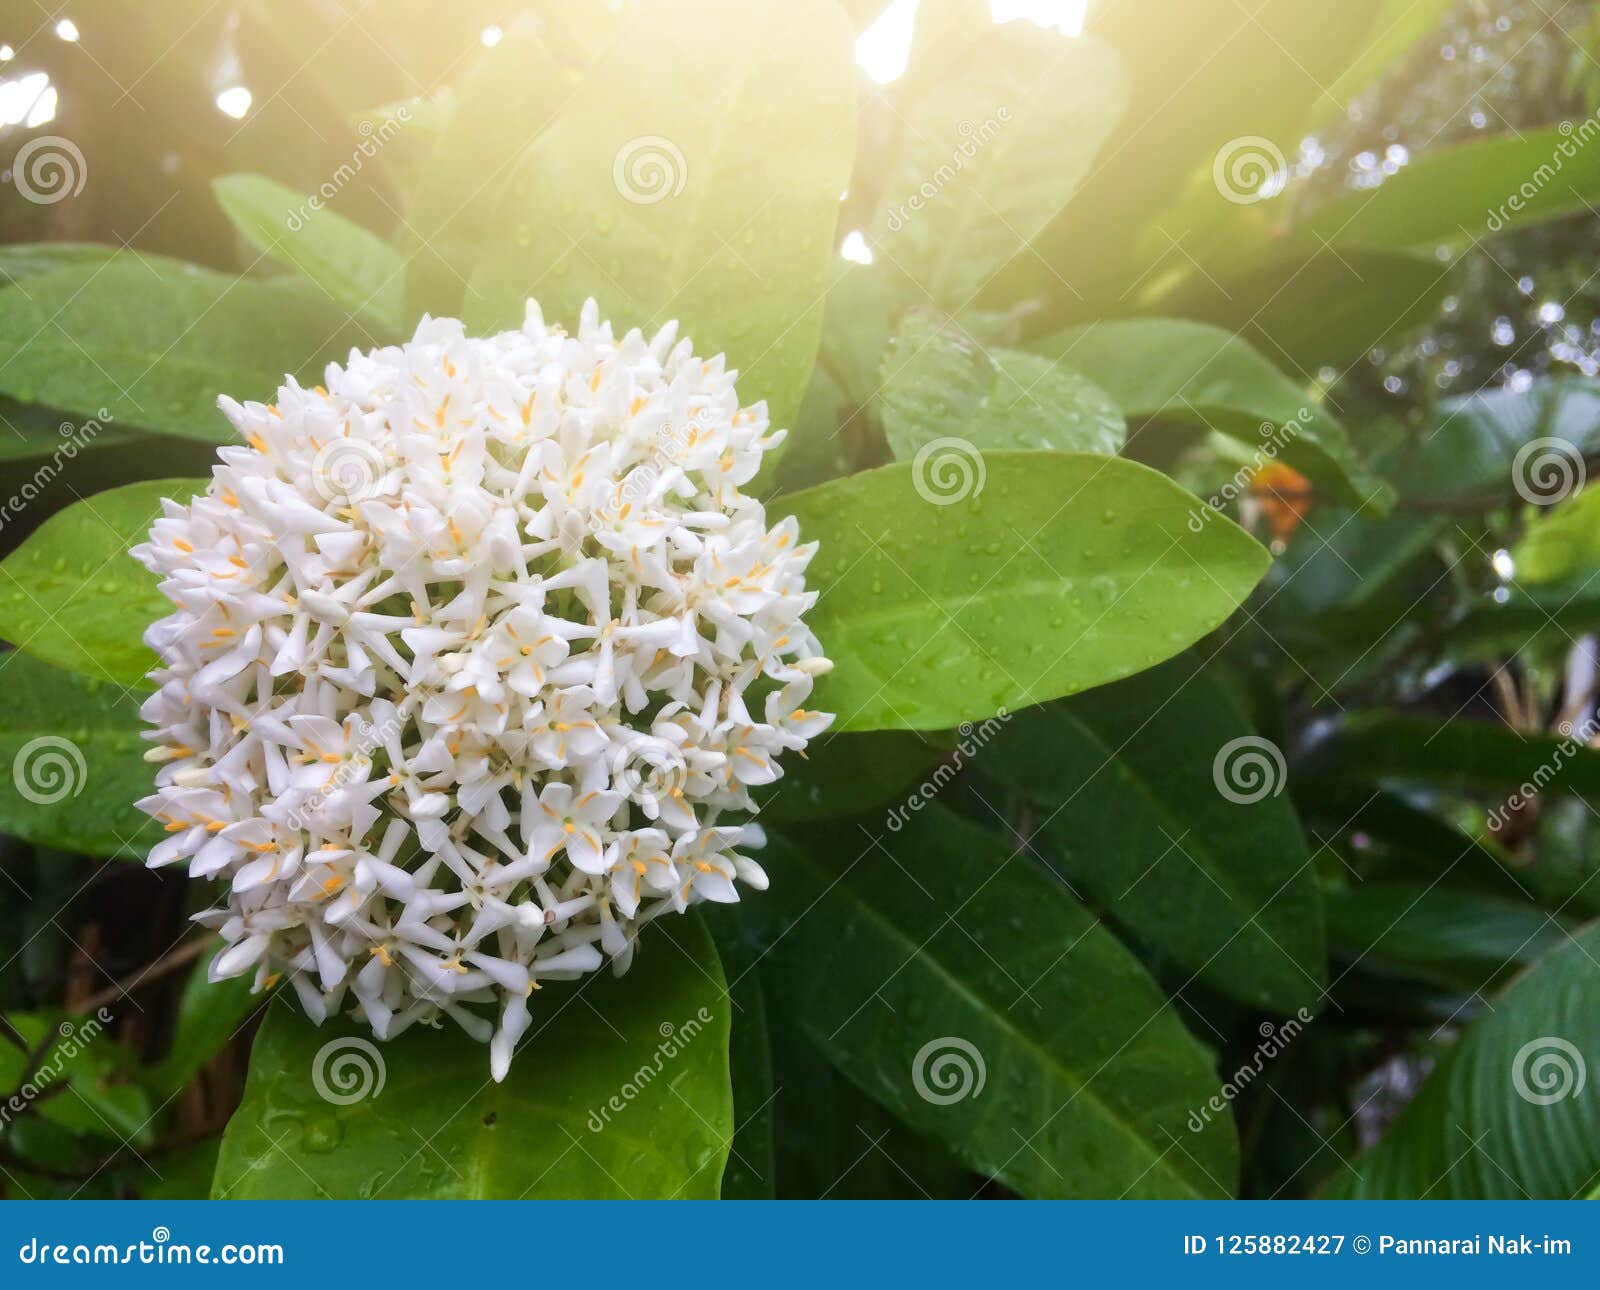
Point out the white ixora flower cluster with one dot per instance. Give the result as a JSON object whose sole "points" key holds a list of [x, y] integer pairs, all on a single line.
{"points": [[478, 652]]}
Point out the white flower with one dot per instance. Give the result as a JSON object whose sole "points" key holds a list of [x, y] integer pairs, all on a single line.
{"points": [[455, 697]]}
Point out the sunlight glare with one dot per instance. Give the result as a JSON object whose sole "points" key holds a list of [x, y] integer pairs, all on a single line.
{"points": [[234, 102], [884, 48], [20, 96], [1065, 15], [855, 248]]}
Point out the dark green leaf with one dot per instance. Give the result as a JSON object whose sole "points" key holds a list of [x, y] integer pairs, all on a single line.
{"points": [[1201, 375], [967, 584], [1468, 936], [356, 268], [1513, 1111], [71, 595], [967, 991], [845, 774], [432, 1125], [1160, 801], [76, 762], [81, 1083], [1468, 447], [1462, 755]]}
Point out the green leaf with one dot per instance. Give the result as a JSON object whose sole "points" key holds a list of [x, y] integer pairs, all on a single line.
{"points": [[1558, 610], [990, 151], [1462, 755], [184, 1175], [752, 1171], [1396, 27], [1468, 447], [1513, 1111], [81, 1082], [28, 431], [1204, 76], [357, 268], [154, 341], [1039, 575], [1464, 935], [844, 774], [1129, 782], [210, 1013], [1412, 843], [75, 759], [562, 1124], [1323, 310], [1201, 375], [1561, 543], [1463, 192], [510, 95], [716, 207], [804, 1130], [937, 384], [71, 596], [29, 260], [969, 993]]}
